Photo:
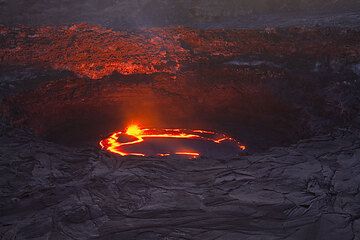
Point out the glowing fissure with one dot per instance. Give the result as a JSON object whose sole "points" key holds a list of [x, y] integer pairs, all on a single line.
{"points": [[112, 143]]}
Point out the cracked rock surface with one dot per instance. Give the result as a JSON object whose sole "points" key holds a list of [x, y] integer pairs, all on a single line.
{"points": [[307, 191]]}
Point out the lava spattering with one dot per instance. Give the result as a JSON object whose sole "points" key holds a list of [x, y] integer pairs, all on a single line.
{"points": [[136, 141]]}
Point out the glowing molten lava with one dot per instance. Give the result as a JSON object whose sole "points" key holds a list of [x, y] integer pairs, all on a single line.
{"points": [[165, 142]]}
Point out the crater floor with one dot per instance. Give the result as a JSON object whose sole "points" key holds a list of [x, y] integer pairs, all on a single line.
{"points": [[307, 191]]}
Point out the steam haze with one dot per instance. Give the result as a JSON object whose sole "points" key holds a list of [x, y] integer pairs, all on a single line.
{"points": [[201, 13]]}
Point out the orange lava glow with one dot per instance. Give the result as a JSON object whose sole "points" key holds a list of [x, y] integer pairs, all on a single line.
{"points": [[140, 135]]}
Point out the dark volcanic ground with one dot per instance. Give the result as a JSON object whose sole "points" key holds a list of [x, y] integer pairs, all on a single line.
{"points": [[291, 95], [307, 191]]}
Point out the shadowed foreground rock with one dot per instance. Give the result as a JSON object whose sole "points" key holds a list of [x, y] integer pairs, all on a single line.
{"points": [[307, 191]]}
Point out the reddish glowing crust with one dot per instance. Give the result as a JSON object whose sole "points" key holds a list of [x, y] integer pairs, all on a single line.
{"points": [[113, 145]]}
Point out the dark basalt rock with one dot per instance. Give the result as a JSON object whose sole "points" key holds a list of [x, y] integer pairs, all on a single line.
{"points": [[306, 191]]}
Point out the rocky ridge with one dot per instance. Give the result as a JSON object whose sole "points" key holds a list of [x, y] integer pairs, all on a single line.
{"points": [[95, 52]]}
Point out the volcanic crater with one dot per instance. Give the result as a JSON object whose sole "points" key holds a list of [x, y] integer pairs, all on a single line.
{"points": [[256, 86], [289, 96]]}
